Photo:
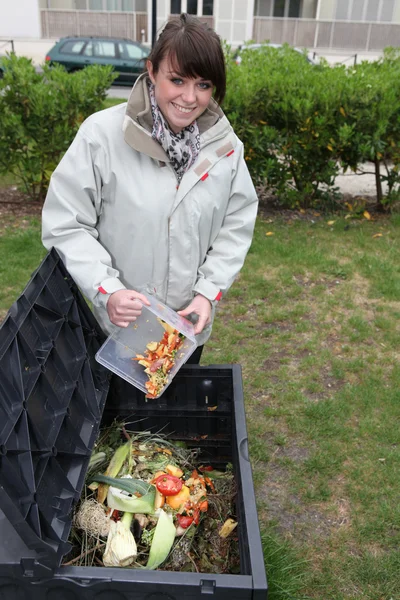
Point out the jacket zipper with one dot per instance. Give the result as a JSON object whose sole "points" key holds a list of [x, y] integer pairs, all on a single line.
{"points": [[221, 136], [169, 258]]}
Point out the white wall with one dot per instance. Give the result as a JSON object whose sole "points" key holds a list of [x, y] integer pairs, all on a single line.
{"points": [[396, 12], [233, 20], [326, 9], [163, 8], [308, 9], [19, 19]]}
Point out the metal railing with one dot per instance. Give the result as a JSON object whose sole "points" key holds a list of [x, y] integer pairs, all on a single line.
{"points": [[334, 35], [59, 23]]}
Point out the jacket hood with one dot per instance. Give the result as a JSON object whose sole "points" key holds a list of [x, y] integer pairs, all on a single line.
{"points": [[138, 122]]}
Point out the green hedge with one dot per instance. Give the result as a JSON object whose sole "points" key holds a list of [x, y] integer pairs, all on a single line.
{"points": [[40, 114], [300, 122]]}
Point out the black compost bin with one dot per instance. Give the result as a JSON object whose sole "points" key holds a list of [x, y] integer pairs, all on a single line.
{"points": [[53, 398]]}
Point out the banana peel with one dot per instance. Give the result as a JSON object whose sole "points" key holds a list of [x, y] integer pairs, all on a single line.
{"points": [[227, 528]]}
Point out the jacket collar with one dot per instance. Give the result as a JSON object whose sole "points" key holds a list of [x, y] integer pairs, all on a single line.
{"points": [[138, 122]]}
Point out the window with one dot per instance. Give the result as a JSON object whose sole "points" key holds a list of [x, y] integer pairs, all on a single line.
{"points": [[191, 7], [72, 47], [176, 7], [365, 10], [279, 8], [372, 10], [131, 51], [357, 11], [342, 9], [387, 10], [120, 5], [294, 9], [208, 8], [100, 49], [263, 8], [112, 5], [95, 4]]}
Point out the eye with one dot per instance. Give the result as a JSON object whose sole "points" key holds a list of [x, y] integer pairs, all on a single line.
{"points": [[205, 85], [177, 81]]}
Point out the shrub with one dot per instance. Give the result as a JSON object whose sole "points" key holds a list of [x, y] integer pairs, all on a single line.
{"points": [[300, 123], [40, 115], [370, 123], [282, 108]]}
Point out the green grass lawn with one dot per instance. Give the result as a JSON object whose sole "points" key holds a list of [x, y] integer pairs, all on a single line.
{"points": [[314, 321]]}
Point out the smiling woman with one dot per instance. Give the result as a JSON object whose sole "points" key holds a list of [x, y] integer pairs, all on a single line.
{"points": [[180, 99], [154, 197]]}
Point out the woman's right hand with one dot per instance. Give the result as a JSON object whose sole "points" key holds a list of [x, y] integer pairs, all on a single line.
{"points": [[124, 306]]}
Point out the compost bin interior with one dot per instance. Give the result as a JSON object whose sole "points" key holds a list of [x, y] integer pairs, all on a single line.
{"points": [[53, 399]]}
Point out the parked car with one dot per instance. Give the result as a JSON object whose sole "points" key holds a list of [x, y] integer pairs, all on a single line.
{"points": [[128, 58], [238, 59]]}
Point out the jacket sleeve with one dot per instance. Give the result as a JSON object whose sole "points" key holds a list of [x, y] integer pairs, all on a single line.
{"points": [[228, 252], [70, 214]]}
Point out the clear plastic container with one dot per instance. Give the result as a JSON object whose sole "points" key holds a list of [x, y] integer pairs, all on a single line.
{"points": [[122, 346]]}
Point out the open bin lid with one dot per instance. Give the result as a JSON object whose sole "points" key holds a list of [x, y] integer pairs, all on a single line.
{"points": [[52, 395]]}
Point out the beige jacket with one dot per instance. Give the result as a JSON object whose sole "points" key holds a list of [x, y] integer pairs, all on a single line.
{"points": [[114, 213]]}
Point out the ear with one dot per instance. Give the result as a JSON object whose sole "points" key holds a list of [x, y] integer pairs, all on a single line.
{"points": [[150, 70]]}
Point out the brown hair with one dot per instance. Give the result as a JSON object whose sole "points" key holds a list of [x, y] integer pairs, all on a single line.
{"points": [[195, 51]]}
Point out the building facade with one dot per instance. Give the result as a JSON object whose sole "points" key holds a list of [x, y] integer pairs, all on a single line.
{"points": [[20, 18], [367, 25], [96, 5], [376, 11], [297, 9]]}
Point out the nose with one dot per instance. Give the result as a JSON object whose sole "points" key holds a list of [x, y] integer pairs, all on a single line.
{"points": [[189, 93]]}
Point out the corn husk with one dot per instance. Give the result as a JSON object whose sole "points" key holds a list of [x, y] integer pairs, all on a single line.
{"points": [[121, 547], [116, 464], [119, 500], [163, 540]]}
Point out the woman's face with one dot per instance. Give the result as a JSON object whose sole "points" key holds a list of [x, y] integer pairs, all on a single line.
{"points": [[180, 99]]}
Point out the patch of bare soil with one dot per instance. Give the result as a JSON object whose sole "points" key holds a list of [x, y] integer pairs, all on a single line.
{"points": [[291, 517], [15, 206], [288, 513], [270, 206]]}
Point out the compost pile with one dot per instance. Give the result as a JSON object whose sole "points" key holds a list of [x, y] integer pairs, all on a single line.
{"points": [[149, 503]]}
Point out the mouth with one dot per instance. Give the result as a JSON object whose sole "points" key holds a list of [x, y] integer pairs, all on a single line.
{"points": [[182, 109]]}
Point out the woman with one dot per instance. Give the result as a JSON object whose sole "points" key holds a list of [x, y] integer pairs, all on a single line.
{"points": [[154, 196]]}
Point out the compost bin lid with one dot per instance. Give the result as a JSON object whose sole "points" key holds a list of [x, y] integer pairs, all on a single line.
{"points": [[52, 395]]}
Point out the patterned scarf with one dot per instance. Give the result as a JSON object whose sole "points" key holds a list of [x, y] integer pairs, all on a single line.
{"points": [[182, 148]]}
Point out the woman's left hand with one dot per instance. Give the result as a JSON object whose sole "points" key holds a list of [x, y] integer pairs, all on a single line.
{"points": [[200, 306]]}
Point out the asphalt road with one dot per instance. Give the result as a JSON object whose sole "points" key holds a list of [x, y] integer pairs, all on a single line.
{"points": [[119, 91]]}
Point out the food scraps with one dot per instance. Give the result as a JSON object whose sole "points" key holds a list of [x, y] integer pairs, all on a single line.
{"points": [[150, 509], [159, 358]]}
